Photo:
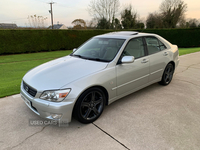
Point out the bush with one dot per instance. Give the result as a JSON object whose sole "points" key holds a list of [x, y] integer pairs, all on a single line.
{"points": [[29, 41]]}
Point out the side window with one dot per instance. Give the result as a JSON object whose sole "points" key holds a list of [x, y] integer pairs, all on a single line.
{"points": [[162, 46], [154, 45], [135, 47]]}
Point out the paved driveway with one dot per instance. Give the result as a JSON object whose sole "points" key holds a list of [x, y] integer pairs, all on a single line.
{"points": [[154, 118]]}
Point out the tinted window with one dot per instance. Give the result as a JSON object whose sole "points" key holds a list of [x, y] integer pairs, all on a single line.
{"points": [[135, 47], [154, 45]]}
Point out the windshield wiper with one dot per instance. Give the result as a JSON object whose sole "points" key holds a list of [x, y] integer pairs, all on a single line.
{"points": [[80, 56], [89, 58], [77, 55], [98, 59]]}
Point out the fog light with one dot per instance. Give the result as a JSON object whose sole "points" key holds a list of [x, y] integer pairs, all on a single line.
{"points": [[56, 116]]}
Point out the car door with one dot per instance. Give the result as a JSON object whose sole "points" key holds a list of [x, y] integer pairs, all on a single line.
{"points": [[131, 76], [158, 57]]}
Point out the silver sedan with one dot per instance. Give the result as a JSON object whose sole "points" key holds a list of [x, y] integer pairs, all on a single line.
{"points": [[101, 71]]}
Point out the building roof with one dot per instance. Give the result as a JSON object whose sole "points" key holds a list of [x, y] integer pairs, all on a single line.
{"points": [[8, 25], [57, 26]]}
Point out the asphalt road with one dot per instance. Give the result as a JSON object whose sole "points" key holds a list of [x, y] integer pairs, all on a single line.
{"points": [[155, 118]]}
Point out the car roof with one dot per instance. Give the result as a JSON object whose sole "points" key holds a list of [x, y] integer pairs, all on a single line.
{"points": [[123, 34]]}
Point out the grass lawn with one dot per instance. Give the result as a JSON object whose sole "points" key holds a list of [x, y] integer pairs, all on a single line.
{"points": [[14, 67], [183, 51]]}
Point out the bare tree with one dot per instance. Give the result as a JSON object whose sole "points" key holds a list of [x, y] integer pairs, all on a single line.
{"points": [[37, 21], [92, 24], [172, 11], [107, 9]]}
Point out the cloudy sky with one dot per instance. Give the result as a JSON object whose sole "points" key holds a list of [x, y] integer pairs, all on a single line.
{"points": [[65, 11]]}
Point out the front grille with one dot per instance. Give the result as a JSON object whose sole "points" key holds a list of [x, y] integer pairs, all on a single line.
{"points": [[29, 90]]}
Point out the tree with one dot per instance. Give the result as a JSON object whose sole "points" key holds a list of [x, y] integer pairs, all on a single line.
{"points": [[182, 23], [117, 24], [154, 20], [103, 24], [92, 24], [129, 18], [151, 21], [104, 9], [190, 23], [79, 24], [37, 21], [140, 25], [193, 23], [172, 11]]}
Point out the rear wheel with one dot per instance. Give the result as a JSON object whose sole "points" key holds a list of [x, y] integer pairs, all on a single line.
{"points": [[167, 75], [90, 105]]}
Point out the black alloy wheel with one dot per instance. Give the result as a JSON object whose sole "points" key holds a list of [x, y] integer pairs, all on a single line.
{"points": [[90, 105], [167, 75]]}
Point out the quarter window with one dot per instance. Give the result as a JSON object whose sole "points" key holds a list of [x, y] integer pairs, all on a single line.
{"points": [[135, 48], [162, 46], [154, 45]]}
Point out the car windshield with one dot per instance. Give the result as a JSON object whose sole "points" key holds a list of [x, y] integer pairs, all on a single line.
{"points": [[99, 49]]}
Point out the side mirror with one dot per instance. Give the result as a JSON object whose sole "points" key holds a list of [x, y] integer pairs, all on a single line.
{"points": [[74, 49], [128, 59]]}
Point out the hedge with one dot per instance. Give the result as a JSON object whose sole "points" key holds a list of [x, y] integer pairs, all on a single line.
{"points": [[28, 41], [184, 38]]}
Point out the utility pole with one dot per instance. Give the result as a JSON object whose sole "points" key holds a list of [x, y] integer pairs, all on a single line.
{"points": [[51, 11]]}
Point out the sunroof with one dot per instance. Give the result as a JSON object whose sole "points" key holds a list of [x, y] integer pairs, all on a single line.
{"points": [[125, 33]]}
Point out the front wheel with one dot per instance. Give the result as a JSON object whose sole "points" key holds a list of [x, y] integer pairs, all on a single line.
{"points": [[167, 75], [90, 105]]}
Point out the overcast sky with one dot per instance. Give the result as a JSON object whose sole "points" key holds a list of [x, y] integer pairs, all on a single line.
{"points": [[65, 11]]}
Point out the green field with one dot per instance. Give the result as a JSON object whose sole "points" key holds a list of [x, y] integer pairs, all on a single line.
{"points": [[14, 67], [183, 51]]}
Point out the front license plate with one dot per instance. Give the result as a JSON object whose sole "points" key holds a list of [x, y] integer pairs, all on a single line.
{"points": [[26, 101]]}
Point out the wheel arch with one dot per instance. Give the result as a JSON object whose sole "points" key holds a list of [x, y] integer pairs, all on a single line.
{"points": [[173, 63]]}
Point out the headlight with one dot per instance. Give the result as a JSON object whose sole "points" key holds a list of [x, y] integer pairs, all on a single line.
{"points": [[55, 96]]}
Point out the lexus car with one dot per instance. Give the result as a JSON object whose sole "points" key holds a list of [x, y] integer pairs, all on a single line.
{"points": [[104, 69]]}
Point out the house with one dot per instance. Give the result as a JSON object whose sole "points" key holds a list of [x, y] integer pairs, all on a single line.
{"points": [[58, 26], [7, 26]]}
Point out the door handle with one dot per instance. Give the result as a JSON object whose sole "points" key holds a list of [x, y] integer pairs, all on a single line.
{"points": [[144, 61], [165, 53]]}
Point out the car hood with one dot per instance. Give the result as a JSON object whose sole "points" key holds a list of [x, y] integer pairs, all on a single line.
{"points": [[57, 73]]}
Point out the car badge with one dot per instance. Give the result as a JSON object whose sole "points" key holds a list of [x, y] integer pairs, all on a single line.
{"points": [[26, 88]]}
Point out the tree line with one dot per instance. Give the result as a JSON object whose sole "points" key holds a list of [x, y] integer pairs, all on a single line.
{"points": [[107, 15]]}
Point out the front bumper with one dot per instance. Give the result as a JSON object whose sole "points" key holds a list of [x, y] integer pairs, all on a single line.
{"points": [[46, 109]]}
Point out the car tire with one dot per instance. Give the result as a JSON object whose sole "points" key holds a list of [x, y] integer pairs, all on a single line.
{"points": [[89, 105], [167, 74]]}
